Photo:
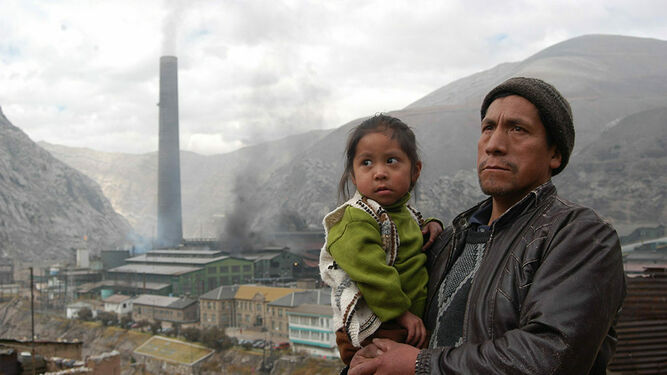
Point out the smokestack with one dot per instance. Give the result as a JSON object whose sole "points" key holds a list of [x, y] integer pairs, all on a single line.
{"points": [[169, 221]]}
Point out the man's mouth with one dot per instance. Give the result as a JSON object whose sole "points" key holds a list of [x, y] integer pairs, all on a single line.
{"points": [[495, 166]]}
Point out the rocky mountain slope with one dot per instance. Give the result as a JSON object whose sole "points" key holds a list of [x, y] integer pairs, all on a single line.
{"points": [[47, 207], [616, 86]]}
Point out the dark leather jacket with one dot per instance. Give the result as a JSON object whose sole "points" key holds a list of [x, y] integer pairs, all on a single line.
{"points": [[545, 298]]}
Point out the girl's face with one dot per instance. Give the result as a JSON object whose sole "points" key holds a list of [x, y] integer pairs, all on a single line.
{"points": [[381, 169]]}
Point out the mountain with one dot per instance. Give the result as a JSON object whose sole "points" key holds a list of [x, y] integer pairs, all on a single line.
{"points": [[210, 185], [47, 207], [617, 87]]}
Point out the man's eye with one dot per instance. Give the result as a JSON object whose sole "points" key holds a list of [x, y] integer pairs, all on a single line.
{"points": [[486, 128], [392, 160], [517, 129]]}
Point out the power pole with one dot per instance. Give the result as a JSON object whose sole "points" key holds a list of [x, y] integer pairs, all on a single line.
{"points": [[32, 325]]}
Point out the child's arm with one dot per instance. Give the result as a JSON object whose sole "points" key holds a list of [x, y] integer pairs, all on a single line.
{"points": [[416, 330], [433, 229]]}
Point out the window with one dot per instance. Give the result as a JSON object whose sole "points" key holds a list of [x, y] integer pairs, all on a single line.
{"points": [[224, 269], [246, 268], [280, 312], [236, 268]]}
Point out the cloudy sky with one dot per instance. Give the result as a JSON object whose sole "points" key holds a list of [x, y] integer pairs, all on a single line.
{"points": [[84, 73]]}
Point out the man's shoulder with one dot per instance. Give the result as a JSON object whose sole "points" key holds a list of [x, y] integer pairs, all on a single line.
{"points": [[572, 211]]}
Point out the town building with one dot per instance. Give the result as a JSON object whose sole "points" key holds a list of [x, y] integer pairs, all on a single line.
{"points": [[114, 258], [217, 307], [72, 310], [182, 279], [252, 302], [276, 313], [275, 265], [6, 272], [311, 330], [181, 310], [209, 269], [118, 304]]}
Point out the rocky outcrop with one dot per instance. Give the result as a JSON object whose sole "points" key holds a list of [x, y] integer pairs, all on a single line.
{"points": [[48, 208]]}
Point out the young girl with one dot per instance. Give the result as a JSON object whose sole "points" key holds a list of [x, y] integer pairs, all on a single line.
{"points": [[373, 258]]}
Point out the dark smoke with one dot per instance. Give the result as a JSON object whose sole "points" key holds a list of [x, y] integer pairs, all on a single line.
{"points": [[238, 235]]}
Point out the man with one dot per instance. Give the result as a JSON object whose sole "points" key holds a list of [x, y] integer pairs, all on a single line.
{"points": [[524, 282]]}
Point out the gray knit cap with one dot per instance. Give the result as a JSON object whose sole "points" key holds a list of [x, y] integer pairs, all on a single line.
{"points": [[554, 110]]}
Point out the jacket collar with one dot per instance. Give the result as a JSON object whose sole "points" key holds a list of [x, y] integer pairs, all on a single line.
{"points": [[532, 199]]}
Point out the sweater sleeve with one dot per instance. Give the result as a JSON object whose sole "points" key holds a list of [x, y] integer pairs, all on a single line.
{"points": [[356, 246]]}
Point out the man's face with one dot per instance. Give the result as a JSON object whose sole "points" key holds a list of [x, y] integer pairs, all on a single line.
{"points": [[513, 157]]}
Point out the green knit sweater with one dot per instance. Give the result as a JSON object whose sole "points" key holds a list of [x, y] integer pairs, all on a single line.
{"points": [[356, 246]]}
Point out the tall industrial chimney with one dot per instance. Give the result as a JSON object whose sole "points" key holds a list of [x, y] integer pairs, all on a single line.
{"points": [[169, 220]]}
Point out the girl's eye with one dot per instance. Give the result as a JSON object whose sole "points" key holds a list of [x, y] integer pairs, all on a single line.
{"points": [[366, 162], [392, 160]]}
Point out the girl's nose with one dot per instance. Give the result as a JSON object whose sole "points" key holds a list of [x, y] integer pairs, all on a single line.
{"points": [[380, 173]]}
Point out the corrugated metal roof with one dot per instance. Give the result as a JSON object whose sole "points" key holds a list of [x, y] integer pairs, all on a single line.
{"points": [[164, 301], [166, 259], [221, 293], [642, 326], [311, 297], [270, 294], [154, 269]]}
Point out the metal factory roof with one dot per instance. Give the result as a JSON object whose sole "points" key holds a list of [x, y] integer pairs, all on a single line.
{"points": [[312, 297], [185, 252], [147, 258], [154, 269], [86, 288], [221, 293], [163, 301]]}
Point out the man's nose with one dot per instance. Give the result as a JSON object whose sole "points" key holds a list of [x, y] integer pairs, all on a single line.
{"points": [[496, 143]]}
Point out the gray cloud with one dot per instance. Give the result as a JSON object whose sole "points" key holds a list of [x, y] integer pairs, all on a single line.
{"points": [[250, 71]]}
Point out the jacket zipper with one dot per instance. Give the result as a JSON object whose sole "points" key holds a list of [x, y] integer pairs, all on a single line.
{"points": [[487, 246]]}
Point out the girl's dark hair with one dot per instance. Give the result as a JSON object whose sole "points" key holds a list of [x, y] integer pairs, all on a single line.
{"points": [[377, 124]]}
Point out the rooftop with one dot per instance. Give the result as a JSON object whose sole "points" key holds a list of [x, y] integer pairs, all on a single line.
{"points": [[163, 301], [85, 288], [270, 294], [152, 269], [312, 309], [116, 298], [314, 297], [221, 293], [151, 258]]}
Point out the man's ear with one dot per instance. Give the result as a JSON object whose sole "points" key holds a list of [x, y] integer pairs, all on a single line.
{"points": [[556, 158], [416, 171]]}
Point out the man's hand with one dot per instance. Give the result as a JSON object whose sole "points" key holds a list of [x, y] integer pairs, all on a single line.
{"points": [[433, 229], [394, 358], [366, 359], [415, 326]]}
